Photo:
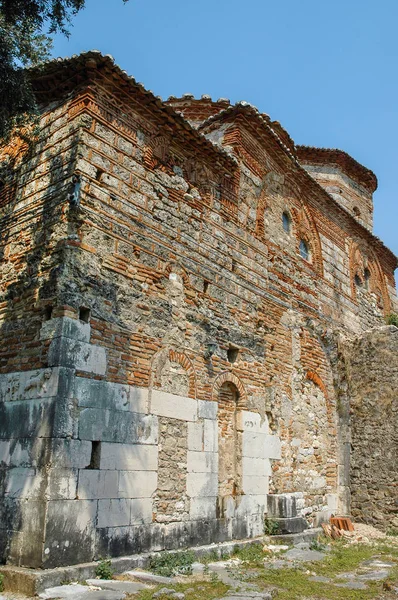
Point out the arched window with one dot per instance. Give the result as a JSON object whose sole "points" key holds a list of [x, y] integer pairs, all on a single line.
{"points": [[286, 222], [358, 280], [304, 250], [356, 211]]}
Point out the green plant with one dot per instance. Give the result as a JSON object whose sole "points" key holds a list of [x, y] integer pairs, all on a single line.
{"points": [[1, 582], [392, 319], [251, 553], [318, 544], [104, 569], [271, 527], [172, 563], [393, 531]]}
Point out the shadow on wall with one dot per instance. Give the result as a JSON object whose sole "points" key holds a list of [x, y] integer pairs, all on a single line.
{"points": [[29, 416]]}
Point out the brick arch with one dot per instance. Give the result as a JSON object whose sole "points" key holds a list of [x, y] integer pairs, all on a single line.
{"points": [[185, 362], [361, 259], [228, 377], [175, 268], [307, 230], [174, 356]]}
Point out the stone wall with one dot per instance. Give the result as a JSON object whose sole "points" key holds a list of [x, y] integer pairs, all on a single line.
{"points": [[167, 357], [372, 362]]}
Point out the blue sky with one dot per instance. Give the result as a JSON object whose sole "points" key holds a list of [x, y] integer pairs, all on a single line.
{"points": [[326, 70]]}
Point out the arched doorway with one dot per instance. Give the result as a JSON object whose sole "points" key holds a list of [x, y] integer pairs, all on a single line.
{"points": [[229, 448]]}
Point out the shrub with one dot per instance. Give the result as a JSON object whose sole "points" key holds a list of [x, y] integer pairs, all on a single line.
{"points": [[104, 569], [1, 582], [392, 319], [271, 527], [172, 563]]}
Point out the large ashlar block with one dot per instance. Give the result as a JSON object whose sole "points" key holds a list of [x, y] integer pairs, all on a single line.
{"points": [[195, 436], [203, 508], [252, 422], [113, 513], [24, 483], [202, 462], [28, 385], [164, 404], [207, 409], [256, 485], [210, 435], [62, 484], [201, 485], [137, 484], [66, 327], [81, 356], [256, 466], [261, 445], [251, 505], [5, 453], [129, 457], [43, 418], [74, 454], [110, 396], [118, 426], [95, 484]]}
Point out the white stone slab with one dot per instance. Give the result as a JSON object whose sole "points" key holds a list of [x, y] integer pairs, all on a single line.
{"points": [[64, 591], [252, 422], [137, 484], [90, 358], [175, 407], [141, 511], [4, 452], [202, 484], [67, 327], [251, 505], [210, 435], [255, 485], [96, 484], [202, 462], [23, 483], [207, 409], [129, 457], [260, 445], [256, 466], [203, 508], [113, 512], [27, 385], [195, 436]]}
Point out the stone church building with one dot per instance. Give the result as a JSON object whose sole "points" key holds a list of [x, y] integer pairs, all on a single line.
{"points": [[193, 334]]}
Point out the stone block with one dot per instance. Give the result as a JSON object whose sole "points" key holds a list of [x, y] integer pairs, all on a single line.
{"points": [[210, 435], [203, 508], [256, 466], [96, 484], [70, 532], [251, 422], [129, 457], [332, 501], [137, 484], [255, 485], [202, 484], [284, 505], [69, 453], [260, 445], [62, 484], [24, 482], [292, 525], [110, 396], [195, 436], [5, 454], [35, 419], [141, 511], [207, 409], [164, 404], [113, 513], [28, 385], [202, 462], [65, 327], [251, 505], [119, 427], [70, 353]]}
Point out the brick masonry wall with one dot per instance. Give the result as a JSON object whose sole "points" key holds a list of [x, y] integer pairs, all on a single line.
{"points": [[168, 249]]}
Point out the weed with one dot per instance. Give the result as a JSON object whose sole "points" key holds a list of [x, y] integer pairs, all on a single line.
{"points": [[104, 569], [200, 590], [319, 544], [212, 556], [393, 531], [214, 578], [172, 563], [271, 527], [1, 582], [251, 553], [392, 319]]}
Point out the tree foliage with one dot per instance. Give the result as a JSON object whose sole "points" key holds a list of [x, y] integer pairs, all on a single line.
{"points": [[23, 44]]}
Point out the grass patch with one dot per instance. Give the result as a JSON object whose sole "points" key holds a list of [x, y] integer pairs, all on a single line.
{"points": [[294, 583], [172, 563], [199, 590], [344, 557], [251, 554]]}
